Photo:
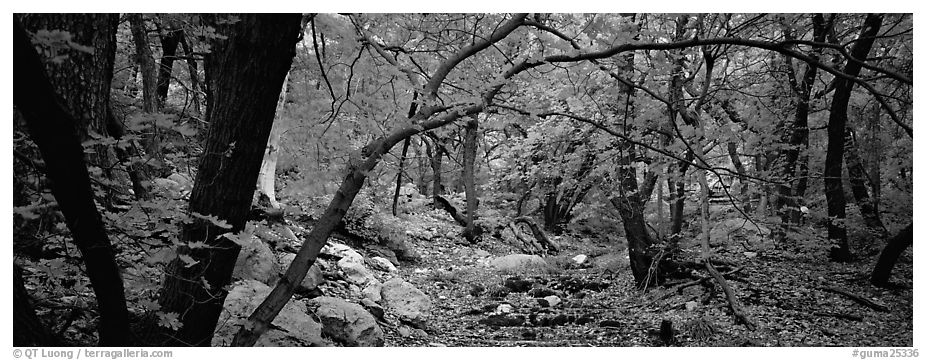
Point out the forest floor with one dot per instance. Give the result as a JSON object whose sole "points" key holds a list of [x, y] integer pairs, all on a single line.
{"points": [[781, 289]]}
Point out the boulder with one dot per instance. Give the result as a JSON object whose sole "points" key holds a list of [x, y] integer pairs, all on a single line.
{"points": [[346, 322], [374, 309], [341, 251], [517, 284], [292, 327], [518, 262], [313, 278], [355, 271], [373, 291], [256, 261], [382, 264], [406, 301]]}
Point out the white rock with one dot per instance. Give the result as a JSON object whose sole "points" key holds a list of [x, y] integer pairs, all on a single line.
{"points": [[355, 272], [292, 327], [553, 300], [342, 251], [382, 264], [502, 309], [691, 305], [580, 259]]}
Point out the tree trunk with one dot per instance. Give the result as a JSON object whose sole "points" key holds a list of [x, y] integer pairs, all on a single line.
{"points": [[835, 130], [246, 72], [266, 178], [53, 130], [398, 178], [469, 178], [28, 328], [436, 159], [169, 41], [881, 275], [82, 80], [193, 69], [857, 177], [145, 59], [874, 154], [789, 199]]}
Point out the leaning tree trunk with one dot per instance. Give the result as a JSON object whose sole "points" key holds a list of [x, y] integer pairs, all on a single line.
{"points": [[437, 189], [836, 132], [82, 80], [881, 275], [361, 163], [247, 69], [412, 109], [53, 130], [193, 69], [469, 178], [266, 177]]}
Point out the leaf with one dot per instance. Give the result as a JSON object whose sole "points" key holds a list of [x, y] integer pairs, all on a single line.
{"points": [[188, 260], [169, 320], [214, 220]]}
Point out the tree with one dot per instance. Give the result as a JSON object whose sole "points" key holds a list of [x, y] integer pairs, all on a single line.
{"points": [[245, 70], [836, 132], [53, 130], [881, 274]]}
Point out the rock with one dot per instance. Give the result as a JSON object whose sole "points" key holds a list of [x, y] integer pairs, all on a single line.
{"points": [[383, 252], [346, 322], [420, 333], [373, 291], [436, 344], [312, 279], [409, 303], [691, 305], [741, 230], [355, 272], [481, 253], [342, 251], [549, 301], [256, 261], [183, 182], [580, 259], [541, 292], [476, 289], [374, 309], [518, 262], [292, 327], [503, 320], [404, 331], [585, 319], [518, 285], [503, 309], [382, 264]]}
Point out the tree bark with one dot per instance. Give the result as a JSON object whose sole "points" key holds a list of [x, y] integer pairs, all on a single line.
{"points": [[836, 131], [170, 39], [881, 275], [246, 72], [874, 154], [82, 80], [469, 178], [398, 178], [53, 130], [436, 161], [266, 177]]}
